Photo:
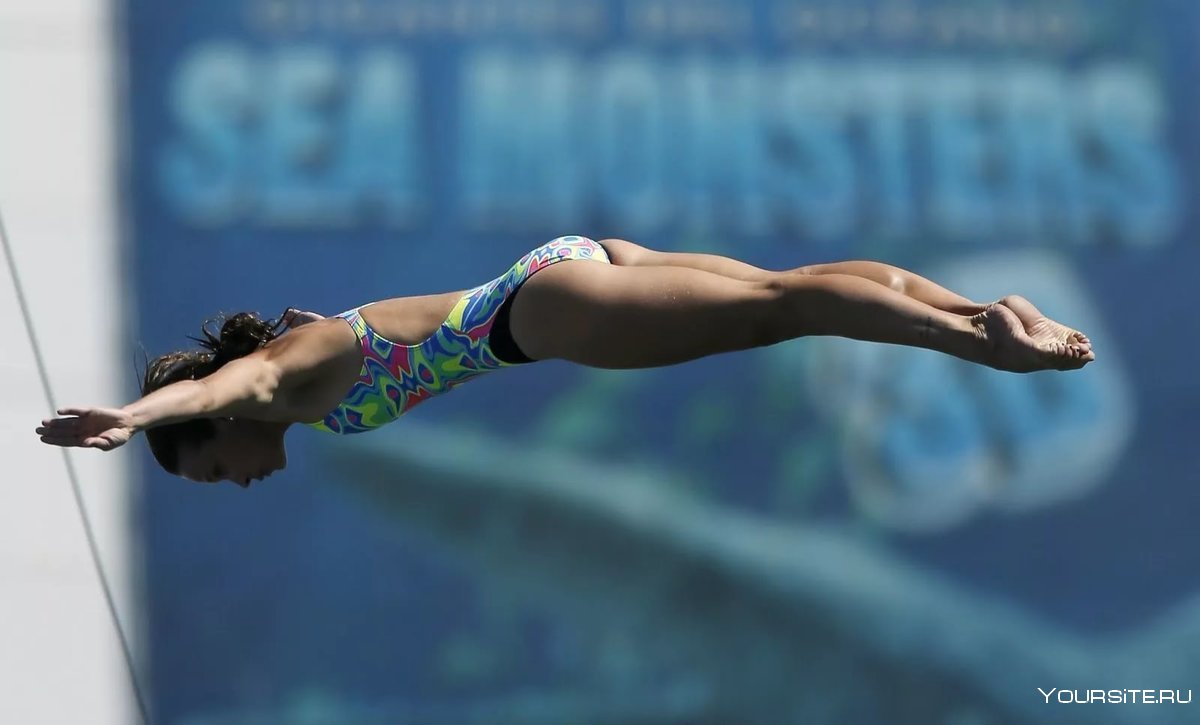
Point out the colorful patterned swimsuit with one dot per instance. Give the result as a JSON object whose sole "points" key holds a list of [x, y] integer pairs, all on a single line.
{"points": [[396, 377]]}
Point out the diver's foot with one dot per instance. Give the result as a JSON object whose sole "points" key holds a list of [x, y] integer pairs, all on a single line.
{"points": [[1041, 328], [1009, 347]]}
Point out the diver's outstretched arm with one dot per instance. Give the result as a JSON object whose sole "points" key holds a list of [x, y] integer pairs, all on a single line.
{"points": [[243, 387]]}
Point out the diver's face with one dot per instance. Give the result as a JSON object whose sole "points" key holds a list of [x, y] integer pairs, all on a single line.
{"points": [[242, 451]]}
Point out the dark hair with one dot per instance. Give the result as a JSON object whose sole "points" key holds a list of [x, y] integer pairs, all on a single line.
{"points": [[240, 335]]}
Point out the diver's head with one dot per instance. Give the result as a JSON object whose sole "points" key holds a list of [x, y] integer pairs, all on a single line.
{"points": [[209, 450], [237, 450]]}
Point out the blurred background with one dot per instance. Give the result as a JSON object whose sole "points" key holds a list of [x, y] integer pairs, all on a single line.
{"points": [[819, 532]]}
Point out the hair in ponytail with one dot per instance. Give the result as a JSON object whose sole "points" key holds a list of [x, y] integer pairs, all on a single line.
{"points": [[240, 335]]}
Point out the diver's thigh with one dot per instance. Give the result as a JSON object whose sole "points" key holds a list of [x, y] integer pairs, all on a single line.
{"points": [[629, 317]]}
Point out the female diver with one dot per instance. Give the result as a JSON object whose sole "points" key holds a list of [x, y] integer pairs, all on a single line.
{"points": [[221, 413]]}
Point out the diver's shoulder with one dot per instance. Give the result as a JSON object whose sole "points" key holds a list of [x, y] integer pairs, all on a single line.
{"points": [[316, 341]]}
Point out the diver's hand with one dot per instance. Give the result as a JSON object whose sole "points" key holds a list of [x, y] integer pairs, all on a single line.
{"points": [[103, 428], [294, 318]]}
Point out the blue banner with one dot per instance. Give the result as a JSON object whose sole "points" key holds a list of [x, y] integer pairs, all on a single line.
{"points": [[327, 154]]}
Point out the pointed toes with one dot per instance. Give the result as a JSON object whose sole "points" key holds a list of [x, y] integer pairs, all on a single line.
{"points": [[1080, 355], [1066, 356]]}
